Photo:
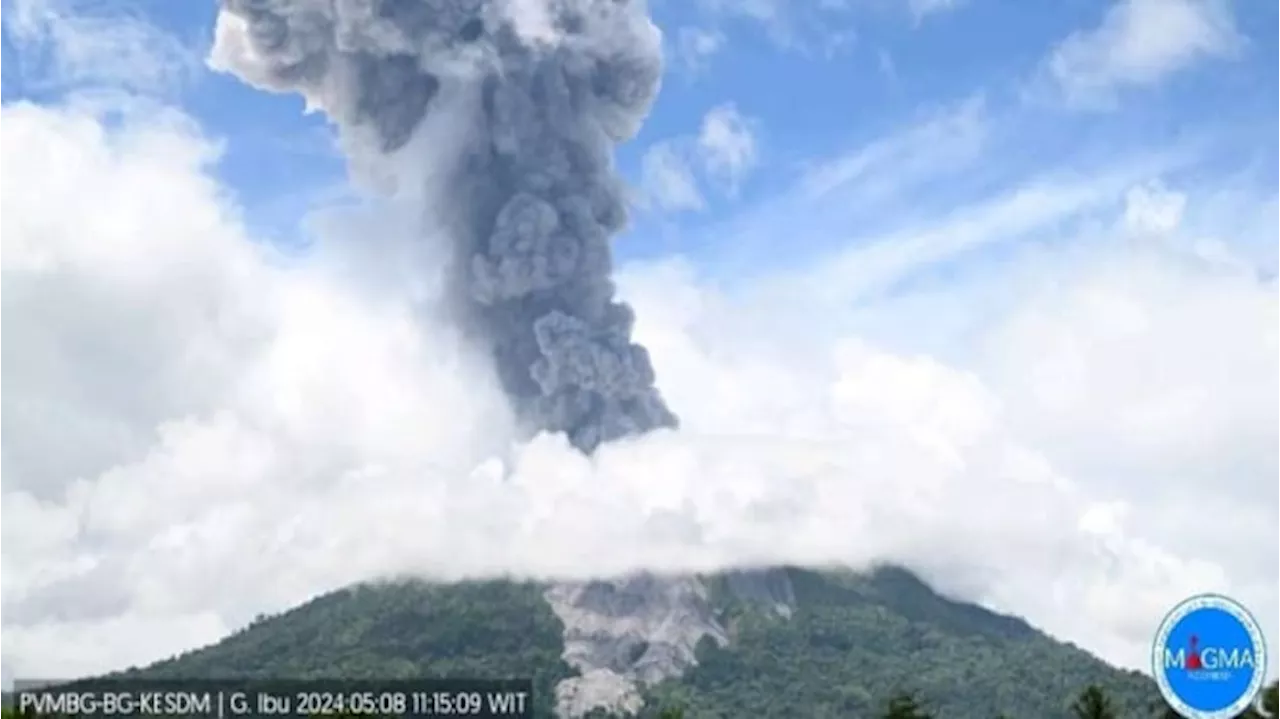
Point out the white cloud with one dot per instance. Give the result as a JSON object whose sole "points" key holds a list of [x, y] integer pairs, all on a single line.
{"points": [[728, 146], [816, 28], [695, 46], [722, 155], [282, 423], [766, 11], [175, 398], [65, 47], [872, 265], [1140, 42], [992, 433], [1152, 210], [797, 27], [888, 69], [945, 140], [196, 432], [667, 180], [920, 9]]}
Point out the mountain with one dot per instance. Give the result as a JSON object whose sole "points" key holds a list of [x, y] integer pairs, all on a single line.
{"points": [[784, 642]]}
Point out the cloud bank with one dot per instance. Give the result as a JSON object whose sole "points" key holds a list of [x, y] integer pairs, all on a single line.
{"points": [[197, 430]]}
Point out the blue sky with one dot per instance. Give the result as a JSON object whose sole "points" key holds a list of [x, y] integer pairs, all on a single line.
{"points": [[984, 287], [814, 82]]}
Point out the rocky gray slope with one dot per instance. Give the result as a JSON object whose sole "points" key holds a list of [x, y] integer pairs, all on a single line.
{"points": [[624, 634]]}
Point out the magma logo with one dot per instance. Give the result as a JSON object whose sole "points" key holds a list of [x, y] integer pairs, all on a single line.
{"points": [[1209, 658]]}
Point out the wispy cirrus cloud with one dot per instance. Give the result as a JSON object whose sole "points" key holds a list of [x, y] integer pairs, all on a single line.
{"points": [[921, 9], [720, 157], [667, 179], [821, 28], [1137, 43], [947, 138], [727, 147], [65, 46], [695, 46]]}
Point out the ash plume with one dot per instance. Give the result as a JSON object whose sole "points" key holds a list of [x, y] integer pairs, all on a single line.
{"points": [[533, 199]]}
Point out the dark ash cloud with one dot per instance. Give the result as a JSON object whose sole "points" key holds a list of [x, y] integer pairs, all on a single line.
{"points": [[534, 201]]}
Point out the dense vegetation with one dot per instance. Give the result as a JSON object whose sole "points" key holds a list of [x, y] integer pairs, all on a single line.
{"points": [[858, 645], [1092, 703], [857, 641], [394, 630]]}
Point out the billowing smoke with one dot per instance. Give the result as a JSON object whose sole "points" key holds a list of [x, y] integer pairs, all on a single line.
{"points": [[533, 200]]}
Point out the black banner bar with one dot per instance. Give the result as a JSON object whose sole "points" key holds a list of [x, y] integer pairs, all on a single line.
{"points": [[278, 699]]}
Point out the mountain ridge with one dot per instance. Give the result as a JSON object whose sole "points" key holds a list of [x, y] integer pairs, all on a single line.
{"points": [[844, 644]]}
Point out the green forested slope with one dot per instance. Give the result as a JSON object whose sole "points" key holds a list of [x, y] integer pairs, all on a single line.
{"points": [[394, 630], [857, 641], [854, 642]]}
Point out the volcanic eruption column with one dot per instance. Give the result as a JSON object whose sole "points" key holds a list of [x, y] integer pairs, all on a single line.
{"points": [[559, 84]]}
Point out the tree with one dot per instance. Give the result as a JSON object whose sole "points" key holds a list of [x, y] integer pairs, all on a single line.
{"points": [[1269, 704], [1265, 705], [1093, 703], [671, 713], [905, 706]]}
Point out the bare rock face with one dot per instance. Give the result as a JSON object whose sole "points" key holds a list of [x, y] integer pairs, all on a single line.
{"points": [[624, 633], [597, 688]]}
